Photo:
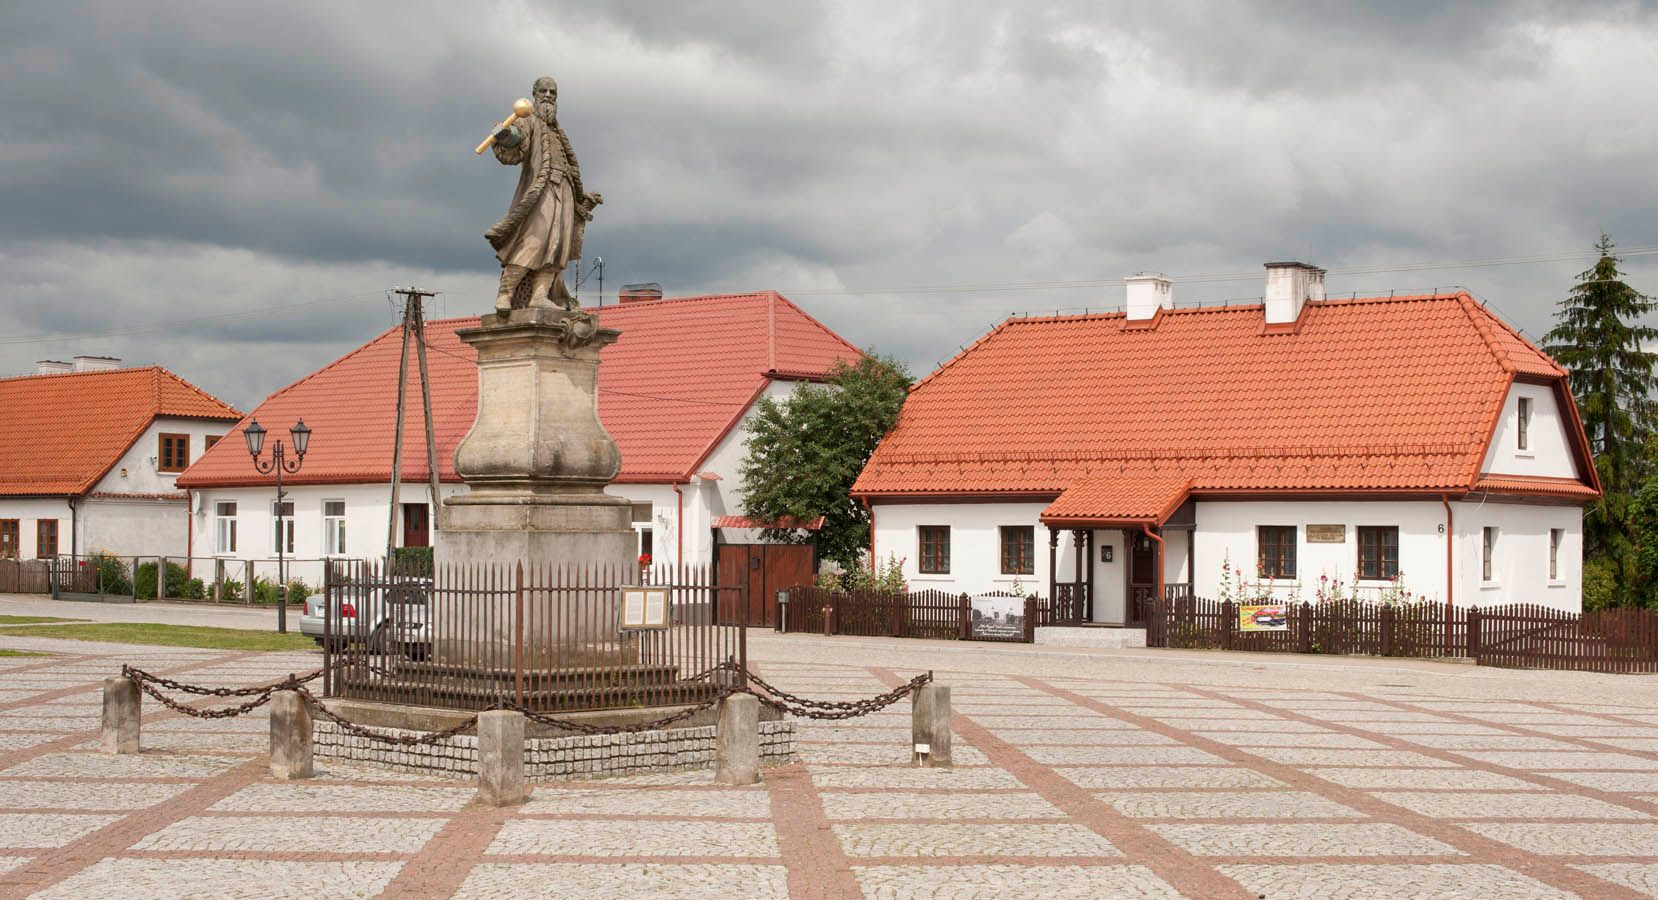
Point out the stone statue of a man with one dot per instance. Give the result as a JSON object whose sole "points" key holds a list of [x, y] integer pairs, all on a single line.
{"points": [[542, 230]]}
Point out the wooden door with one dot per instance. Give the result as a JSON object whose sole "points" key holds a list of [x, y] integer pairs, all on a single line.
{"points": [[762, 570], [416, 530], [1142, 575]]}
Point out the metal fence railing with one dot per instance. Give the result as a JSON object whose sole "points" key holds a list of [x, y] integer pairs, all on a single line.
{"points": [[546, 638], [178, 578]]}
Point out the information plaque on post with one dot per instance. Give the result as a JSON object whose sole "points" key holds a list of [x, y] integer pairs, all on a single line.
{"points": [[644, 607]]}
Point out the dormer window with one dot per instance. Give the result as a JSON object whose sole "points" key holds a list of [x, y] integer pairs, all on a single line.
{"points": [[1524, 433]]}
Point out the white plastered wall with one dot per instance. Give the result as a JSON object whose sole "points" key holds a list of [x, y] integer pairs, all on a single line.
{"points": [[1520, 559], [975, 544], [1548, 448], [138, 470], [28, 512], [1227, 529]]}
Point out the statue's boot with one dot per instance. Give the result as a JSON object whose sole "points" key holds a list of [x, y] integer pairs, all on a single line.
{"points": [[510, 277], [542, 289]]}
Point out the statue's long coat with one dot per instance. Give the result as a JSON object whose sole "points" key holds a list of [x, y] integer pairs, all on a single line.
{"points": [[546, 231]]}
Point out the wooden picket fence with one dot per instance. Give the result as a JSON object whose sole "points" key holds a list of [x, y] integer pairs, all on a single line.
{"points": [[25, 576], [1513, 636], [930, 614]]}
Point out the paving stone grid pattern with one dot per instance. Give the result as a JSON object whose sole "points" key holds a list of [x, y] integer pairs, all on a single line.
{"points": [[1084, 775]]}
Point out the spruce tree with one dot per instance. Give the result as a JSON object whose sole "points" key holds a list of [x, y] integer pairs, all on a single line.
{"points": [[1600, 338]]}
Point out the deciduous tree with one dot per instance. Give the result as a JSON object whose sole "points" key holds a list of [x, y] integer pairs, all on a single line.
{"points": [[805, 451]]}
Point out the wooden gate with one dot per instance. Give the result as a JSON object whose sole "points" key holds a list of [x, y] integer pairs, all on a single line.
{"points": [[764, 569]]}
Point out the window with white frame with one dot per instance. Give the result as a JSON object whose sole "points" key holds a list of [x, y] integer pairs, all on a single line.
{"points": [[224, 527], [333, 527], [1487, 553], [1557, 536], [282, 526], [1523, 441]]}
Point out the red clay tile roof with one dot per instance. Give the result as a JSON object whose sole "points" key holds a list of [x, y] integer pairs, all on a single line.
{"points": [[60, 433], [751, 522], [1390, 394], [680, 377]]}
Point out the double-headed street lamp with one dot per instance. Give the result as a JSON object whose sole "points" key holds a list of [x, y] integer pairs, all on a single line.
{"points": [[278, 463]]}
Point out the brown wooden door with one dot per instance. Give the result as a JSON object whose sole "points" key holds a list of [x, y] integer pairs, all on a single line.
{"points": [[762, 570], [1142, 575], [416, 530]]}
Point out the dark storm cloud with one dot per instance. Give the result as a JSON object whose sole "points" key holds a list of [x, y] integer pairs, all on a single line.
{"points": [[166, 164]]}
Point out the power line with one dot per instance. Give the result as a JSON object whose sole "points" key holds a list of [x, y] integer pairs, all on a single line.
{"points": [[175, 323], [957, 288]]}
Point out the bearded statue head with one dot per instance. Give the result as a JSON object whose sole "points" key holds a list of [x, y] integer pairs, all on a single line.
{"points": [[545, 94]]}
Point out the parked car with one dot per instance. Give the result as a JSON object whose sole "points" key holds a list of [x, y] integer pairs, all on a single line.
{"points": [[383, 618]]}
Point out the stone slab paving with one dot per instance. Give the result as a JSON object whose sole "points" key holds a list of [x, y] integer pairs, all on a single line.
{"points": [[1080, 773]]}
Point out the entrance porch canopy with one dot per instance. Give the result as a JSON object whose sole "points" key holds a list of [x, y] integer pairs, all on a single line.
{"points": [[1126, 499]]}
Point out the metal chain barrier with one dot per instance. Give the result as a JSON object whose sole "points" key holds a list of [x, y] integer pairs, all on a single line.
{"points": [[768, 695], [385, 737]]}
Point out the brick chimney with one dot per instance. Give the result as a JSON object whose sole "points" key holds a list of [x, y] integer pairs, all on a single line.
{"points": [[641, 293], [1290, 287], [52, 366], [1147, 293]]}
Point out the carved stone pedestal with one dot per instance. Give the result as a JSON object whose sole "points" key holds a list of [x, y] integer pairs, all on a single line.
{"points": [[536, 463]]}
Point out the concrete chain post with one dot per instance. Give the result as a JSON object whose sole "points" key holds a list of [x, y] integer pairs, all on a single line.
{"points": [[290, 736], [930, 726], [501, 758], [123, 711], [737, 740]]}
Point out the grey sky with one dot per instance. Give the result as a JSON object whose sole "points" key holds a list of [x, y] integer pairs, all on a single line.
{"points": [[173, 173]]}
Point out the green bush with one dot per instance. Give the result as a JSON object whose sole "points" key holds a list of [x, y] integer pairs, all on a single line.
{"points": [[231, 589], [413, 561], [144, 581], [112, 574], [1600, 583], [195, 589], [264, 591], [298, 591]]}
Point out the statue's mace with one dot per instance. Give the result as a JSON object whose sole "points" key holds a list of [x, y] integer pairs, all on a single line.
{"points": [[521, 109]]}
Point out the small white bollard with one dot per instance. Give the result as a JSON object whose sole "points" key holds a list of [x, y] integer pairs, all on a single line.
{"points": [[930, 726], [737, 740], [501, 758], [290, 736], [123, 711]]}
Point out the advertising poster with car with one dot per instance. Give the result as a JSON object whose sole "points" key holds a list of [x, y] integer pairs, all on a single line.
{"points": [[1263, 617], [998, 618]]}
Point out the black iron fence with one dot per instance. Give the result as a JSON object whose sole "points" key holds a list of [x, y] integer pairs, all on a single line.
{"points": [[543, 638]]}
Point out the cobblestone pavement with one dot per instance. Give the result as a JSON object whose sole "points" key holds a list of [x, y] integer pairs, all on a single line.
{"points": [[1080, 773]]}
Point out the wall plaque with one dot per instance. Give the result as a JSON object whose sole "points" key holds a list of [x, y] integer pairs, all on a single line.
{"points": [[644, 607], [1326, 534]]}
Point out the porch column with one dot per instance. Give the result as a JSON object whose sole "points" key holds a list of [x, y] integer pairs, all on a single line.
{"points": [[1088, 567], [1053, 567], [1076, 591]]}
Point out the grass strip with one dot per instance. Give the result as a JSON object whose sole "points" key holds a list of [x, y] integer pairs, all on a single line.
{"points": [[167, 635], [34, 620]]}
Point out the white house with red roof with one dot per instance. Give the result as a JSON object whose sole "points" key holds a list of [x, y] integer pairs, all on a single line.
{"points": [[90, 453], [674, 392], [1397, 443]]}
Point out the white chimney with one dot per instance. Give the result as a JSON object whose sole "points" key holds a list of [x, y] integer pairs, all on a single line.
{"points": [[1290, 286], [1148, 292], [97, 363], [52, 367]]}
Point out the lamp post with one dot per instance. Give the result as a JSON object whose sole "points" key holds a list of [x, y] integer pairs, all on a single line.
{"points": [[279, 463]]}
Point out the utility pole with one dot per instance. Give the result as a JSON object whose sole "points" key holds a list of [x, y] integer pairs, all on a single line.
{"points": [[414, 328]]}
